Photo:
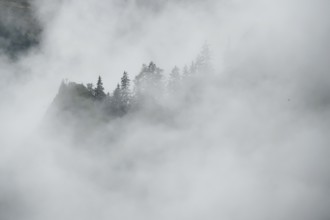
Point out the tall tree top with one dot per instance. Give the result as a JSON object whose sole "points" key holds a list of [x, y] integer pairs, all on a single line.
{"points": [[149, 80], [175, 73], [99, 83], [99, 90], [203, 60], [116, 92], [125, 81]]}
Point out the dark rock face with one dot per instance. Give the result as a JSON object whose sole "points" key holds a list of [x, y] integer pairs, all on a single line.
{"points": [[72, 101], [19, 29], [74, 112]]}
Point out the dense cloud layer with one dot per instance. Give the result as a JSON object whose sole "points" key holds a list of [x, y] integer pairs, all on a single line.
{"points": [[254, 147]]}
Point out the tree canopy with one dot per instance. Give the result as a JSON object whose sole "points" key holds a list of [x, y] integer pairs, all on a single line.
{"points": [[149, 87]]}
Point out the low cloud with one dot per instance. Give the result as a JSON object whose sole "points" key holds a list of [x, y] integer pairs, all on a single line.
{"points": [[254, 146]]}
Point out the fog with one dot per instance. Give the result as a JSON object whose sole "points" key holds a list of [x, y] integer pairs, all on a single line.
{"points": [[255, 146]]}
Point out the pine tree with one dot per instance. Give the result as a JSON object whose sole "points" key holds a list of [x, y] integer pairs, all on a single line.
{"points": [[99, 90], [149, 81], [116, 94], [203, 60], [125, 90], [116, 102]]}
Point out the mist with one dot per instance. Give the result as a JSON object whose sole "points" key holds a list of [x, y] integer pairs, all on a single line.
{"points": [[254, 145]]}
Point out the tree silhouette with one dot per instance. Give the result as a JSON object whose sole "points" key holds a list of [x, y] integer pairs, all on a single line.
{"points": [[125, 91], [149, 81], [184, 86], [116, 104], [99, 90], [203, 60]]}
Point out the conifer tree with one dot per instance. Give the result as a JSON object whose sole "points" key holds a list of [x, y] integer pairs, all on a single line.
{"points": [[116, 102], [149, 81], [99, 90], [203, 60], [116, 94], [90, 88], [125, 90]]}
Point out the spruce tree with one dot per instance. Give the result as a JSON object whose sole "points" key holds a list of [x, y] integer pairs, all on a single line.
{"points": [[125, 90], [116, 102], [99, 90], [203, 60], [149, 81]]}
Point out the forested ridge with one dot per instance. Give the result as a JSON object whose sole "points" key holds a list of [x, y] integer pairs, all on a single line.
{"points": [[152, 92]]}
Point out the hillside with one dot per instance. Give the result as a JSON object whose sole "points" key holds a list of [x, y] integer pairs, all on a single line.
{"points": [[83, 110]]}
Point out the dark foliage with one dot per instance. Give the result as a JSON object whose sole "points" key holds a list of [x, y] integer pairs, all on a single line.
{"points": [[99, 93], [19, 29]]}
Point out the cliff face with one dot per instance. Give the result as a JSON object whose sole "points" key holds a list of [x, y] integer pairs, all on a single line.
{"points": [[73, 112], [19, 29]]}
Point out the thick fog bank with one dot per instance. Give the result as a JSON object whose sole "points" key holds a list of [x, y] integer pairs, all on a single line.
{"points": [[253, 145]]}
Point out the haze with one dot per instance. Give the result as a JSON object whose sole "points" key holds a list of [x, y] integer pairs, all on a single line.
{"points": [[255, 146]]}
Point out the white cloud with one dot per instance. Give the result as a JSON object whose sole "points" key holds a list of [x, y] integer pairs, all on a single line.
{"points": [[254, 148]]}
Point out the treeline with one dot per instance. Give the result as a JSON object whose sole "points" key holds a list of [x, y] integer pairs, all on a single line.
{"points": [[148, 89]]}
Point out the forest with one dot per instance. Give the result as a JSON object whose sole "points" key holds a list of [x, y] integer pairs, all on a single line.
{"points": [[151, 91]]}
